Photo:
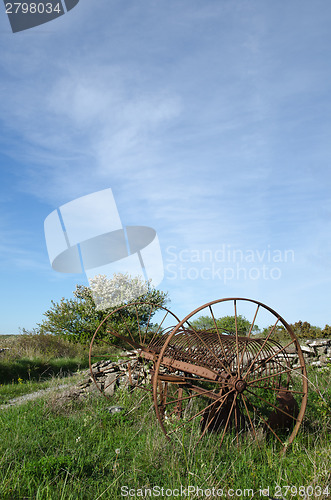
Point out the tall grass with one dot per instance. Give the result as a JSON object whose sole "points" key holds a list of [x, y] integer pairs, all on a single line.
{"points": [[53, 449], [38, 357], [62, 448], [42, 346]]}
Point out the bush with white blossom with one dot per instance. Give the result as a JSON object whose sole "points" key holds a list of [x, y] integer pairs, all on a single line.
{"points": [[122, 289], [77, 319]]}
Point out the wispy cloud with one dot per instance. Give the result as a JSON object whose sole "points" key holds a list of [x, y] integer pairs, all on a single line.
{"points": [[87, 122], [209, 120]]}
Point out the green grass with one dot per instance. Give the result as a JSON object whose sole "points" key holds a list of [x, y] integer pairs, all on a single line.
{"points": [[12, 371], [21, 387], [76, 450]]}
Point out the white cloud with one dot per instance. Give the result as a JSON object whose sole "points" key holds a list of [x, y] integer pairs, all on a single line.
{"points": [[210, 121]]}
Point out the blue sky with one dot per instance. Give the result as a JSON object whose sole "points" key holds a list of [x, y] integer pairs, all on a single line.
{"points": [[211, 123]]}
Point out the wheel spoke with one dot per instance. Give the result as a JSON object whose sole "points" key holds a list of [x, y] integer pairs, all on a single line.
{"points": [[269, 388], [237, 340], [152, 308], [236, 421], [127, 328], [289, 370], [250, 421], [228, 419], [138, 323], [265, 422], [201, 412], [273, 406], [249, 334], [220, 340], [260, 350], [273, 355]]}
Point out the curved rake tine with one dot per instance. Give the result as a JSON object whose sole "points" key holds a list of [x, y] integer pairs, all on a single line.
{"points": [[208, 348], [157, 331], [273, 355], [127, 328]]}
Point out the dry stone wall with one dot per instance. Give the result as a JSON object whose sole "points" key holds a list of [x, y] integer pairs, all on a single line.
{"points": [[317, 352], [111, 374]]}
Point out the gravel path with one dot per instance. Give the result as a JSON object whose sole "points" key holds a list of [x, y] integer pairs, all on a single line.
{"points": [[42, 392], [31, 397]]}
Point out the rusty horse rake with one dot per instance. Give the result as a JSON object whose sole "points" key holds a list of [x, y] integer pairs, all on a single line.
{"points": [[209, 383]]}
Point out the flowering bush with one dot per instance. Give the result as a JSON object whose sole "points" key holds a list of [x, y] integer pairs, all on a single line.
{"points": [[77, 319], [122, 289]]}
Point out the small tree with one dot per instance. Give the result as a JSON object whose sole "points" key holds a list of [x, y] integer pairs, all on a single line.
{"points": [[326, 332], [226, 323], [301, 329], [77, 319], [304, 330], [203, 323], [243, 324], [279, 332]]}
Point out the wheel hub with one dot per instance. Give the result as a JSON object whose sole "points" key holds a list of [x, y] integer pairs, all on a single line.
{"points": [[240, 385]]}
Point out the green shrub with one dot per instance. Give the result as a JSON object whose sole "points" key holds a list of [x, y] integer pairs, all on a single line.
{"points": [[45, 346]]}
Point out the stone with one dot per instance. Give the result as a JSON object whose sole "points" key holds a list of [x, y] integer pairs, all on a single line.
{"points": [[308, 351], [98, 374], [291, 349], [130, 353], [317, 364], [110, 384], [96, 365], [115, 409], [321, 350], [325, 359], [110, 369], [85, 383], [319, 342], [123, 381]]}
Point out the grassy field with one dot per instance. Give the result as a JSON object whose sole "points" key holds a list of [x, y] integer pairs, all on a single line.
{"points": [[75, 449], [36, 358]]}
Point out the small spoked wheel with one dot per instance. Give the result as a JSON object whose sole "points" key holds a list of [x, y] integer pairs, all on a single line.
{"points": [[231, 371], [117, 355]]}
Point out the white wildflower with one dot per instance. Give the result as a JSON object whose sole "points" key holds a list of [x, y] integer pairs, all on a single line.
{"points": [[121, 289]]}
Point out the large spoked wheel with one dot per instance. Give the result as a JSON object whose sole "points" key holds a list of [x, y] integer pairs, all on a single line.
{"points": [[238, 379], [115, 356]]}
